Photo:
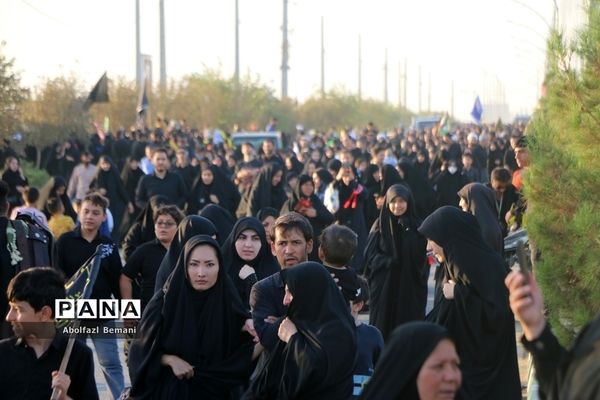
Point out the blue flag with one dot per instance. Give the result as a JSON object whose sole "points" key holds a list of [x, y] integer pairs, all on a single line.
{"points": [[477, 110]]}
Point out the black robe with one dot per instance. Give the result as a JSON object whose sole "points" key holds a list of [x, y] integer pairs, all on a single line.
{"points": [[130, 178], [421, 189], [14, 179], [351, 213], [481, 202], [142, 230], [323, 219], [446, 187], [49, 191], [203, 328], [264, 263], [396, 372], [222, 187], [262, 193], [116, 195], [189, 227], [372, 186], [318, 361], [221, 219], [478, 317], [396, 266]]}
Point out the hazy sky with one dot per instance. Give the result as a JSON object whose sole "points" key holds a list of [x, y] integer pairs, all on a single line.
{"points": [[485, 47]]}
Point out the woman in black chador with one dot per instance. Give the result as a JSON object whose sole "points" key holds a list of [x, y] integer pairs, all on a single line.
{"points": [[418, 363], [109, 184], [474, 306], [142, 230], [213, 187], [305, 202], [191, 344], [221, 218], [266, 191], [480, 200], [190, 226], [316, 354], [396, 263], [247, 256], [56, 187]]}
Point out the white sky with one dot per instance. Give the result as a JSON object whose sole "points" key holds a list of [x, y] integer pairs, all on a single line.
{"points": [[481, 45]]}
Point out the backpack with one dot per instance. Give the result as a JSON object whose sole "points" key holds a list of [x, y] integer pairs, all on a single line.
{"points": [[34, 242]]}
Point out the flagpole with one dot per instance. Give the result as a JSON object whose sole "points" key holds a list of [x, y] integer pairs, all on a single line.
{"points": [[87, 291]]}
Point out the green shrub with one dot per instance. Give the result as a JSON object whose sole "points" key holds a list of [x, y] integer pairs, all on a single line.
{"points": [[37, 177]]}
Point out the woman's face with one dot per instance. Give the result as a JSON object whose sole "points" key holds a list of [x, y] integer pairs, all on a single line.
{"points": [[398, 206], [60, 190], [203, 267], [165, 228], [207, 176], [307, 189], [104, 165], [310, 168], [248, 245], [13, 164], [347, 175], [133, 164], [440, 376], [463, 204], [316, 180], [436, 249], [276, 178]]}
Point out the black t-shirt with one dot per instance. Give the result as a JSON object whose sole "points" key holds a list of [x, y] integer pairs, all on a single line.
{"points": [[71, 251], [24, 376], [143, 265], [347, 281]]}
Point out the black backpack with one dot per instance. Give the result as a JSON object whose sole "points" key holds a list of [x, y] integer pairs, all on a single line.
{"points": [[34, 242]]}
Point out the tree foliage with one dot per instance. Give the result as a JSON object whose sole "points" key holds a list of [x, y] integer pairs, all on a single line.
{"points": [[12, 95], [562, 185]]}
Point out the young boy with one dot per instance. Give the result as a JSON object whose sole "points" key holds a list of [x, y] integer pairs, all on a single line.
{"points": [[71, 251], [59, 223], [32, 358], [369, 341], [338, 243]]}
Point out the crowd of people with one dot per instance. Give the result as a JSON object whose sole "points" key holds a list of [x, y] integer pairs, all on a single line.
{"points": [[253, 266]]}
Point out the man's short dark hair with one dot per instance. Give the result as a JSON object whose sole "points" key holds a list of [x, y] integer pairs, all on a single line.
{"points": [[364, 294], [501, 174], [338, 243], [265, 212], [31, 195], [38, 286], [96, 199], [171, 210], [54, 204], [293, 220], [161, 150]]}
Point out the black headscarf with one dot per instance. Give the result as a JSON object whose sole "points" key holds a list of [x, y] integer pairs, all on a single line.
{"points": [[221, 218], [146, 217], [367, 179], [264, 264], [481, 202], [318, 361], [478, 316], [49, 191], [324, 175], [389, 176], [189, 227], [203, 328], [297, 195], [421, 189], [221, 186], [396, 265], [297, 166], [263, 193], [408, 348]]}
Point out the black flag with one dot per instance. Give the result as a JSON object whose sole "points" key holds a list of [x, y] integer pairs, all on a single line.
{"points": [[99, 93], [143, 105]]}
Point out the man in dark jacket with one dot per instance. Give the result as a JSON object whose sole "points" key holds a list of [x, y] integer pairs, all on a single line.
{"points": [[161, 182]]}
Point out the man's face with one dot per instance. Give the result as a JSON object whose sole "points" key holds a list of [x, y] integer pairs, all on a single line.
{"points": [[21, 314], [159, 160], [522, 157], [290, 247], [498, 186], [91, 216], [268, 148]]}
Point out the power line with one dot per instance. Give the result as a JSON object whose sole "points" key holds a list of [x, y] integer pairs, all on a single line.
{"points": [[44, 14]]}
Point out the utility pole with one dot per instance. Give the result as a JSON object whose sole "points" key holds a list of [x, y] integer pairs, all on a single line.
{"points": [[405, 81], [452, 99], [322, 58], [359, 68], [237, 45], [399, 85], [163, 56], [420, 86], [385, 79], [429, 93], [284, 53], [138, 55]]}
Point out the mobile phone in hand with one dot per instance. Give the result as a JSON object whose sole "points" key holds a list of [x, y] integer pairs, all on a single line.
{"points": [[524, 261]]}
